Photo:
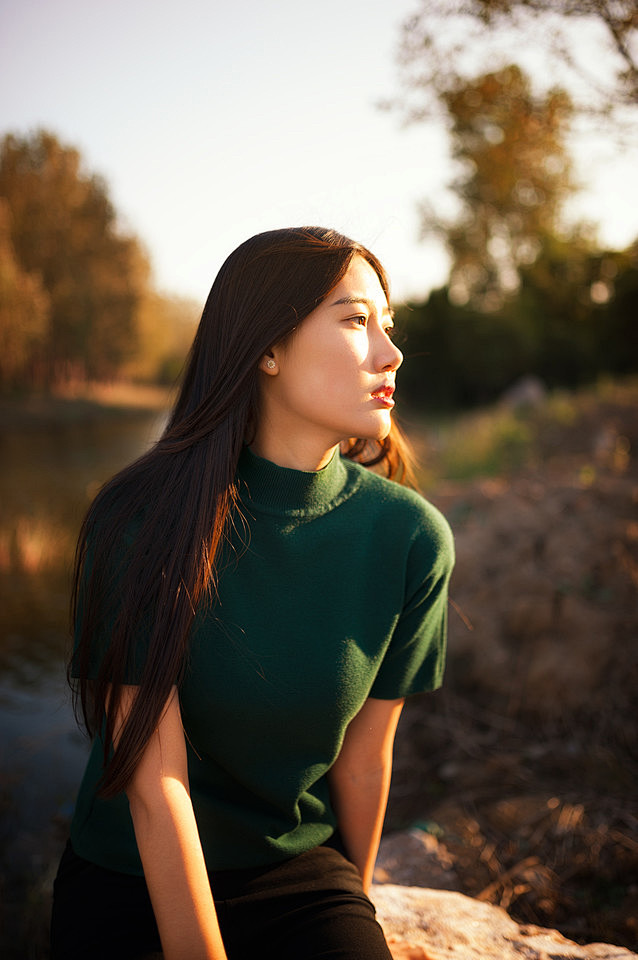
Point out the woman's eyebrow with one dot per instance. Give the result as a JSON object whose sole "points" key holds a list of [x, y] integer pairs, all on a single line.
{"points": [[370, 304]]}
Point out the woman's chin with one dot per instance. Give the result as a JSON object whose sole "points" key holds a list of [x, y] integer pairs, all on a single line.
{"points": [[381, 429]]}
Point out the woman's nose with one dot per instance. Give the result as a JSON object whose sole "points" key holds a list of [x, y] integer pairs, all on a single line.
{"points": [[389, 357]]}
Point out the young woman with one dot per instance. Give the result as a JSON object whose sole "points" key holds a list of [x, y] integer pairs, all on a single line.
{"points": [[252, 606]]}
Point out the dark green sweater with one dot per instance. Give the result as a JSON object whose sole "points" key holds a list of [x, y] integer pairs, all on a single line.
{"points": [[340, 595]]}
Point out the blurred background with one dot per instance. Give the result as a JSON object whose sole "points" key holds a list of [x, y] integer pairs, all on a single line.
{"points": [[487, 153]]}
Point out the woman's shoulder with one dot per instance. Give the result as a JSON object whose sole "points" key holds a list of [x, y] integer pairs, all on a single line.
{"points": [[402, 506]]}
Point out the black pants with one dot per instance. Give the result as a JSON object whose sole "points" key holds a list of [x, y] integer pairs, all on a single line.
{"points": [[310, 908]]}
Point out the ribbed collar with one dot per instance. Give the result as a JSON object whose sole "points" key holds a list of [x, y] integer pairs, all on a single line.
{"points": [[274, 489]]}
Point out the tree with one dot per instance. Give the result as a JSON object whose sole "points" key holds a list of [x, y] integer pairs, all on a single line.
{"points": [[447, 41], [525, 294], [514, 175], [572, 320], [24, 314], [165, 327], [64, 230], [618, 301]]}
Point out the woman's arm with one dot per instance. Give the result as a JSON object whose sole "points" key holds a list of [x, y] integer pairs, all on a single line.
{"points": [[168, 841], [360, 780]]}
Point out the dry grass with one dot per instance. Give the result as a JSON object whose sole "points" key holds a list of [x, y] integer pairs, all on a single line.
{"points": [[541, 823]]}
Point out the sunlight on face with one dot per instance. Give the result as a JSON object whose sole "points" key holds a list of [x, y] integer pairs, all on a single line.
{"points": [[335, 377]]}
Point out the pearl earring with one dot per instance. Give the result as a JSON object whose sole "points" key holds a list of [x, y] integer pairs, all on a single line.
{"points": [[271, 364]]}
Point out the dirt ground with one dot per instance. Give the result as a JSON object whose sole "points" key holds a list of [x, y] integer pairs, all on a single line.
{"points": [[523, 770]]}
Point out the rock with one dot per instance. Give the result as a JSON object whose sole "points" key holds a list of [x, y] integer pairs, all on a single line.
{"points": [[425, 924], [528, 391], [415, 858]]}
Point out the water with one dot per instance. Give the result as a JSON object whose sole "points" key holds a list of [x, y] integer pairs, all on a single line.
{"points": [[48, 475]]}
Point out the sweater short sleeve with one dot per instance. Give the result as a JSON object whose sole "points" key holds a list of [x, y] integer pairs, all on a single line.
{"points": [[415, 659]]}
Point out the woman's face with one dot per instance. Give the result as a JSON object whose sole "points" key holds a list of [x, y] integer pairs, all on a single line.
{"points": [[334, 378]]}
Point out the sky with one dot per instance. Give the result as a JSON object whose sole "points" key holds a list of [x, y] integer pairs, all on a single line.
{"points": [[211, 121]]}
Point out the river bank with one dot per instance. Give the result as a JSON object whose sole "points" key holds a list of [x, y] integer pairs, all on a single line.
{"points": [[55, 452], [81, 404]]}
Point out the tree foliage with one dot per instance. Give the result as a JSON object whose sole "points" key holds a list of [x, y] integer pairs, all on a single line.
{"points": [[572, 320], [446, 41], [24, 312], [164, 329], [76, 300], [526, 294], [513, 177], [64, 230]]}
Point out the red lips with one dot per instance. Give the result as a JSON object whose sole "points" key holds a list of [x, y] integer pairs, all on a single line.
{"points": [[383, 393]]}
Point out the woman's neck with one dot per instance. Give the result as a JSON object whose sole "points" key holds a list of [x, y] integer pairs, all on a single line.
{"points": [[295, 454]]}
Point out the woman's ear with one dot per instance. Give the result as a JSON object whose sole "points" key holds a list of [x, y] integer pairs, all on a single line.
{"points": [[268, 364]]}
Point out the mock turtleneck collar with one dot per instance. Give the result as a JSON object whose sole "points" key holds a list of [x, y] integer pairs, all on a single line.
{"points": [[274, 489]]}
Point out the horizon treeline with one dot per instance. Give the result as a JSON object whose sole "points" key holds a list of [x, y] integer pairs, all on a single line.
{"points": [[77, 301], [572, 321]]}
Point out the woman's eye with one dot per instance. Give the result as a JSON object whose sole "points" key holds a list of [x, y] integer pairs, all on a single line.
{"points": [[361, 320], [390, 332]]}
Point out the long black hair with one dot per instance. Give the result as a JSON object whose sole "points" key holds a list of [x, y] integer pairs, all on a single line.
{"points": [[147, 550]]}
